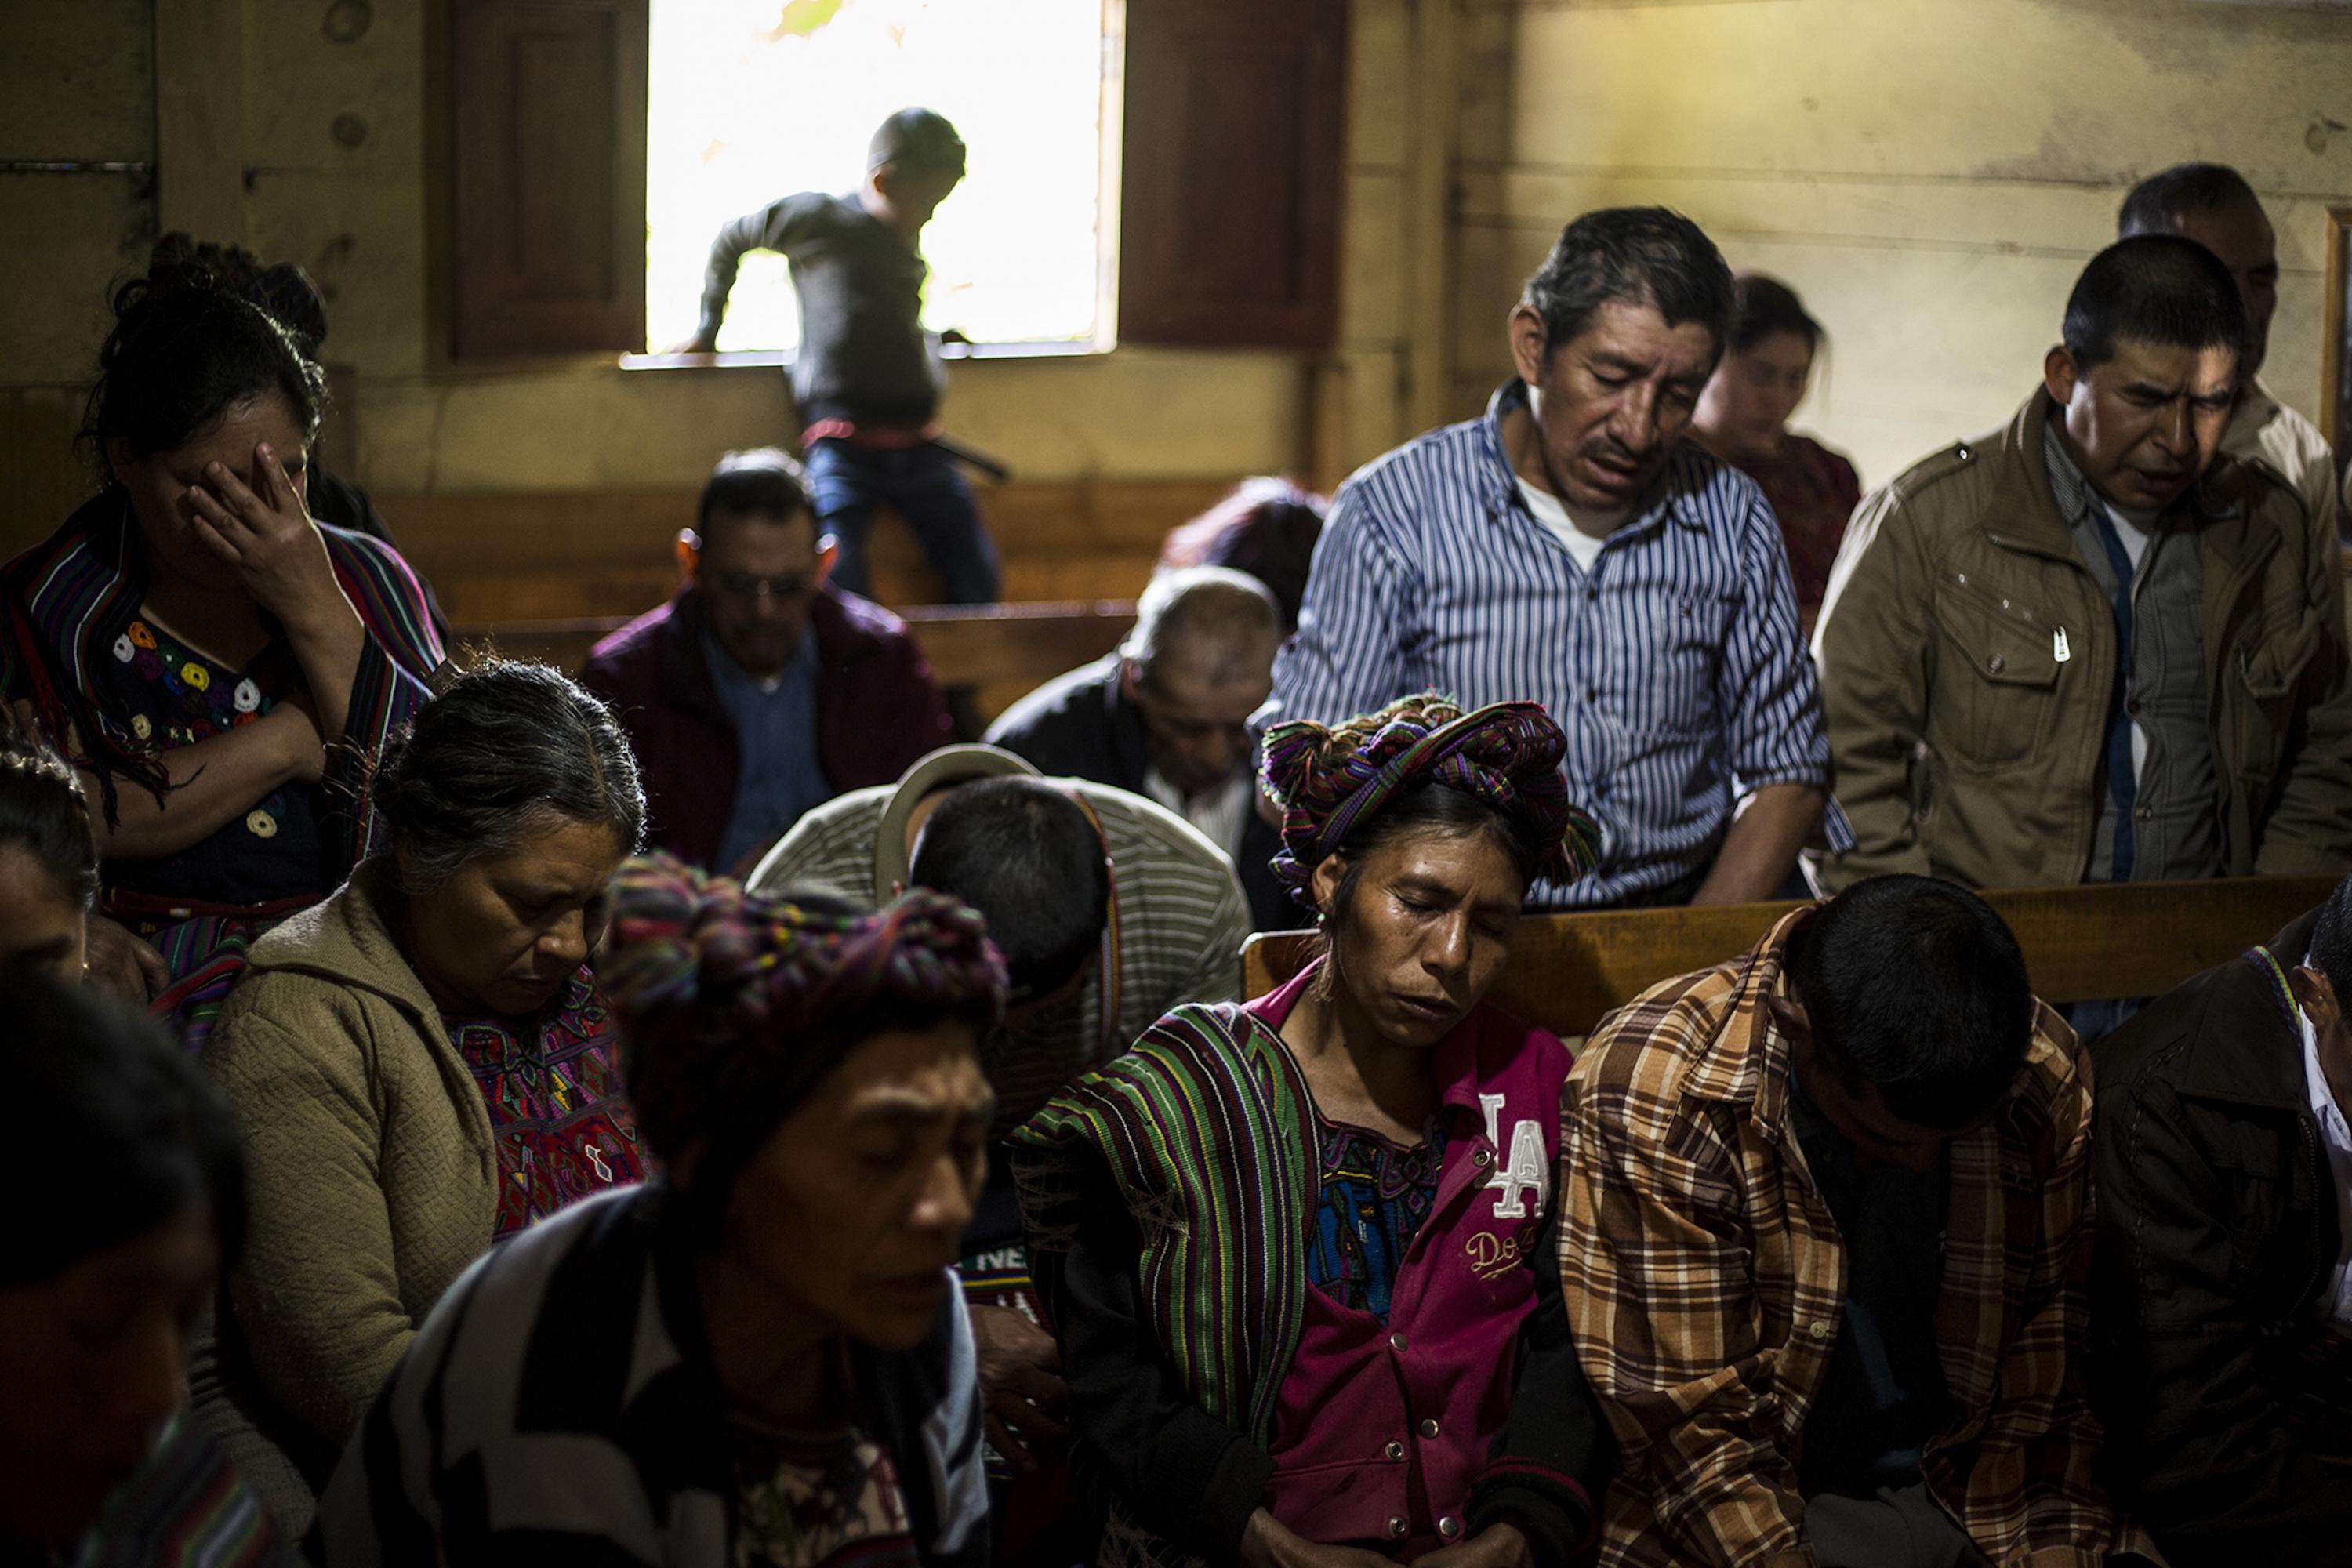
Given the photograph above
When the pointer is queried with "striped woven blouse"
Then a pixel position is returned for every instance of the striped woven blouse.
(1676, 667)
(559, 1406)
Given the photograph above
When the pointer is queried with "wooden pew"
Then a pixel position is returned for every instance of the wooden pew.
(505, 557)
(562, 643)
(2109, 940)
(1004, 651)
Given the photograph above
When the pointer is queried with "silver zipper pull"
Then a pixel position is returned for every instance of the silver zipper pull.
(2059, 647)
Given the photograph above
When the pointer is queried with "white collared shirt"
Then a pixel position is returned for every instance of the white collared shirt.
(1220, 814)
(2335, 1137)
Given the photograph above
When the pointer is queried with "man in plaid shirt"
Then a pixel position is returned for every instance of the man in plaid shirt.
(1825, 1227)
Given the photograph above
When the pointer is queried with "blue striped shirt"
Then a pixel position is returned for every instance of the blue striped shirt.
(1677, 667)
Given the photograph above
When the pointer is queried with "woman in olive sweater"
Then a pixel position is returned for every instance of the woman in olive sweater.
(423, 1064)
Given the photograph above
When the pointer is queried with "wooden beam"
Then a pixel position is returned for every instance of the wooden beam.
(199, 118)
(2082, 944)
(1430, 294)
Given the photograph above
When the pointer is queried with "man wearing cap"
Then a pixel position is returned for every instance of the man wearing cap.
(867, 378)
(1111, 910)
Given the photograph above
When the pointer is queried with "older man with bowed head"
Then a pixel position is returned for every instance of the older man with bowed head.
(1165, 715)
(2086, 647)
(761, 690)
(1825, 1220)
(1571, 549)
(2213, 204)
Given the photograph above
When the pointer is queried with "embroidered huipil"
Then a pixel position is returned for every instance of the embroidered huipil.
(557, 1117)
(104, 675)
(1176, 1197)
(1382, 1427)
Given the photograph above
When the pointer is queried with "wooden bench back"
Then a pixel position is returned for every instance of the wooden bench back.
(1007, 651)
(1004, 650)
(2137, 939)
(506, 557)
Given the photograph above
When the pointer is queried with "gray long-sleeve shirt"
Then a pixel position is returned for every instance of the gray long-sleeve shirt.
(863, 355)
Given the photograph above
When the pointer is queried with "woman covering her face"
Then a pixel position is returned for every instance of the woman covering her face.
(423, 1064)
(107, 1267)
(759, 1357)
(219, 665)
(1297, 1253)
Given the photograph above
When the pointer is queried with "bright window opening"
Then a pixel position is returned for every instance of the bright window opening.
(753, 100)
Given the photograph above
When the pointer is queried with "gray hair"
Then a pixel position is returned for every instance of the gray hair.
(1208, 615)
(508, 748)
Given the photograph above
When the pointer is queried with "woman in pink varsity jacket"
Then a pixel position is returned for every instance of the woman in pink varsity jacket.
(1297, 1253)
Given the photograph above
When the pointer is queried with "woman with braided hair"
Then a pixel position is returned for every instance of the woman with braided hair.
(758, 1358)
(219, 667)
(1297, 1253)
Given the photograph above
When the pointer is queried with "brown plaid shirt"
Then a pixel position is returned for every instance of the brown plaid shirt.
(1707, 1281)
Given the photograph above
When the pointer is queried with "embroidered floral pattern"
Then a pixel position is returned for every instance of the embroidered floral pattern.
(828, 1501)
(561, 1128)
(1375, 1197)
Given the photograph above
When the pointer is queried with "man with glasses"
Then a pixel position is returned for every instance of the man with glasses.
(761, 690)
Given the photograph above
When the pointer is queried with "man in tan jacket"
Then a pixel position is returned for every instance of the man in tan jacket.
(2083, 648)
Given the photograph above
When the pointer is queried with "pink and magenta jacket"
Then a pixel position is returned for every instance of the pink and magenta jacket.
(1170, 1197)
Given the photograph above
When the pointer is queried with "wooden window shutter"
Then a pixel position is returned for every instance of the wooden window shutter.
(1232, 165)
(549, 147)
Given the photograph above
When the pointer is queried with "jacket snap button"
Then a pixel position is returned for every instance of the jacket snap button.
(1396, 1342)
(1395, 1451)
(1449, 1527)
(1995, 663)
(1482, 1159)
(1428, 1426)
(1396, 1528)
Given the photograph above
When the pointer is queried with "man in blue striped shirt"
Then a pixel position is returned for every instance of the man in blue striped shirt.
(1569, 548)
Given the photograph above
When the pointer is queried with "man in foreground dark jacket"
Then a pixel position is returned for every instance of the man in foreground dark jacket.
(1166, 716)
(2223, 1328)
(761, 690)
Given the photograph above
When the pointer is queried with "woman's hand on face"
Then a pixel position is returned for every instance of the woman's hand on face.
(1497, 1546)
(1266, 1542)
(121, 965)
(269, 538)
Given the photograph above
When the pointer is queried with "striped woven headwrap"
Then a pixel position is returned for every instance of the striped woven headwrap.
(734, 1006)
(1507, 755)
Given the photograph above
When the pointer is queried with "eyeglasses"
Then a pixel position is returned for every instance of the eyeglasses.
(744, 587)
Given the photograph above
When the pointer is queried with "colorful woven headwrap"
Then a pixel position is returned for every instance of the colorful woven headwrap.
(732, 1005)
(1507, 755)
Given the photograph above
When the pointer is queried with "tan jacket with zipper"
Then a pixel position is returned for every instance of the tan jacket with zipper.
(1967, 656)
(372, 1176)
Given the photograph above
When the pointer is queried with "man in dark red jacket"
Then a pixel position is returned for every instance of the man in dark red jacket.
(761, 689)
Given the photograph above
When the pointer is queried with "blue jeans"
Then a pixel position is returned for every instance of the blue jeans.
(921, 484)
